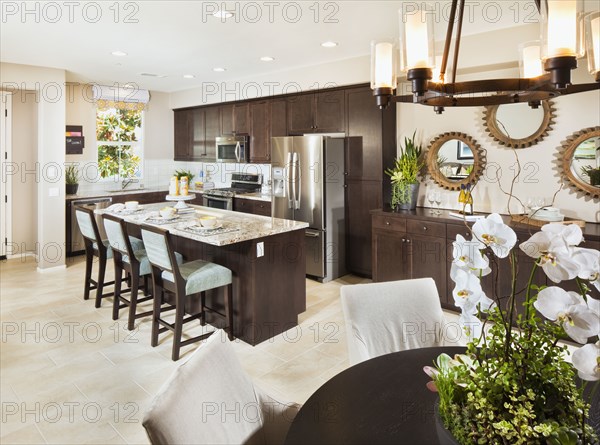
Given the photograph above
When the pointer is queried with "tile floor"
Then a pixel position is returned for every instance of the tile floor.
(70, 374)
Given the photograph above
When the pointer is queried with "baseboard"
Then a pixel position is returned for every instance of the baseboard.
(52, 269)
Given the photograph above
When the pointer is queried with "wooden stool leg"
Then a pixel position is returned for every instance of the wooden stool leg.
(101, 273)
(202, 306)
(117, 297)
(179, 313)
(229, 310)
(133, 299)
(156, 304)
(146, 286)
(89, 259)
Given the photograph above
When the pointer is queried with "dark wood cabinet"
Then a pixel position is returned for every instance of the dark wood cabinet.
(227, 127)
(241, 118)
(320, 112)
(252, 206)
(367, 188)
(195, 133)
(260, 138)
(403, 249)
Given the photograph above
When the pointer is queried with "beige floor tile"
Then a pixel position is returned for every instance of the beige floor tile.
(26, 434)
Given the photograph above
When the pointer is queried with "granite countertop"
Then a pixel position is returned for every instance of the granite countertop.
(235, 226)
(266, 197)
(105, 193)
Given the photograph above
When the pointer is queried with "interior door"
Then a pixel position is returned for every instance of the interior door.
(308, 181)
(5, 109)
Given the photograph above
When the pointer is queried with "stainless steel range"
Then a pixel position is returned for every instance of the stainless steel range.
(222, 198)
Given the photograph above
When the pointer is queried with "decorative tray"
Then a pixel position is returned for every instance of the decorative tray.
(525, 219)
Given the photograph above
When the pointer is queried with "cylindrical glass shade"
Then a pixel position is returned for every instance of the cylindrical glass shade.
(562, 28)
(416, 38)
(384, 63)
(592, 30)
(530, 60)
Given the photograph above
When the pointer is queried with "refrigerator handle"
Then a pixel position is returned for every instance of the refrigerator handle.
(297, 183)
(288, 167)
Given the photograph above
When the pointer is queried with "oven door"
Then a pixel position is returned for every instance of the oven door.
(217, 202)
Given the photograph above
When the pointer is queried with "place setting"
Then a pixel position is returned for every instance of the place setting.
(208, 225)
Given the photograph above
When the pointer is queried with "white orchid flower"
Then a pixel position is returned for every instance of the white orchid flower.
(553, 253)
(587, 362)
(467, 256)
(571, 234)
(492, 232)
(588, 261)
(467, 292)
(570, 310)
(471, 325)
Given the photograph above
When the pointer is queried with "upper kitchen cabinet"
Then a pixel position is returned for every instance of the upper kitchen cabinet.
(267, 120)
(235, 119)
(320, 112)
(195, 133)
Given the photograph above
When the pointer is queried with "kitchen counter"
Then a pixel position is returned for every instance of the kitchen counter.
(236, 226)
(265, 197)
(105, 193)
(267, 257)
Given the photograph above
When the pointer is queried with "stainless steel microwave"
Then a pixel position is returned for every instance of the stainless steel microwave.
(232, 149)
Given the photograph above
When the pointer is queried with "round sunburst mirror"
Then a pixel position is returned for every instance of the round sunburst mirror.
(518, 125)
(455, 159)
(579, 161)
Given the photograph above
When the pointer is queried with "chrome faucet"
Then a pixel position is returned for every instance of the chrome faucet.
(127, 181)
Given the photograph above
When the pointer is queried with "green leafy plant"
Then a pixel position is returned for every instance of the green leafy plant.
(72, 174)
(113, 127)
(514, 386)
(405, 171)
(182, 173)
(593, 173)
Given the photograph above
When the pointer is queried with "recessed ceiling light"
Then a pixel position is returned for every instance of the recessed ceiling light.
(267, 59)
(219, 70)
(329, 44)
(119, 53)
(188, 76)
(223, 14)
(152, 75)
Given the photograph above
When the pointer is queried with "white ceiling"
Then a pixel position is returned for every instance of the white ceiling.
(173, 38)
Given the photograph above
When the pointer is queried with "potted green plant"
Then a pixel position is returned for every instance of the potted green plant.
(593, 173)
(404, 175)
(514, 385)
(71, 179)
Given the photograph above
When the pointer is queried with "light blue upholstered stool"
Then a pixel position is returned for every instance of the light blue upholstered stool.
(194, 277)
(96, 246)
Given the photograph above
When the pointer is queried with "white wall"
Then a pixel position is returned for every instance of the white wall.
(539, 177)
(49, 84)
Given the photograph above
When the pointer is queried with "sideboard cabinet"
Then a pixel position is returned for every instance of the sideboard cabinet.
(416, 244)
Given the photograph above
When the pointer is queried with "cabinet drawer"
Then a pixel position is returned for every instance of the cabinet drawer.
(426, 228)
(262, 208)
(458, 229)
(389, 223)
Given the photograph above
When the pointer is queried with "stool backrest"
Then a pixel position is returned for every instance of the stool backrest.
(116, 231)
(87, 224)
(159, 249)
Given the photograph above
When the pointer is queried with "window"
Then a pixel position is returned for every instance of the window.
(120, 144)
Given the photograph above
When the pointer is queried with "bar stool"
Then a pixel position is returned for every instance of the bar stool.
(193, 277)
(132, 260)
(95, 246)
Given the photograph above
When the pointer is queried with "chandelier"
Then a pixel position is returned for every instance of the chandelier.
(545, 65)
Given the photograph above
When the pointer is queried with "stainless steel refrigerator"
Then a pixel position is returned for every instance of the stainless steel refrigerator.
(308, 185)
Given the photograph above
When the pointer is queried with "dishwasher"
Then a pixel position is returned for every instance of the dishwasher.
(75, 244)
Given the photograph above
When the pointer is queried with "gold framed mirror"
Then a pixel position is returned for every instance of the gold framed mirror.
(455, 159)
(518, 125)
(579, 161)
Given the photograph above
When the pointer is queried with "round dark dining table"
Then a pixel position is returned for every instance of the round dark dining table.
(382, 400)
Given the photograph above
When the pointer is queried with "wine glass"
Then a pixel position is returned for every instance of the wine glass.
(438, 201)
(431, 199)
(530, 204)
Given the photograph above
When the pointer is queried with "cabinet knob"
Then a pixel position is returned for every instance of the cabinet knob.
(403, 240)
(387, 223)
(408, 241)
(425, 228)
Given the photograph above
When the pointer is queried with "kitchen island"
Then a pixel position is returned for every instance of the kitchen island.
(266, 256)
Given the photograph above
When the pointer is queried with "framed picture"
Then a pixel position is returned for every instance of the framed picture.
(463, 151)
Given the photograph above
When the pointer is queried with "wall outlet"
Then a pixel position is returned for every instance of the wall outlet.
(260, 249)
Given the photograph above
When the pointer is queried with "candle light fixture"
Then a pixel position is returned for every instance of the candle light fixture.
(545, 66)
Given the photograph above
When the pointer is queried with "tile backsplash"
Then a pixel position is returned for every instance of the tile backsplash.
(157, 173)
